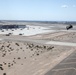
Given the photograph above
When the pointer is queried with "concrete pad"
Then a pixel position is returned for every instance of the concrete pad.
(65, 67)
(68, 61)
(62, 72)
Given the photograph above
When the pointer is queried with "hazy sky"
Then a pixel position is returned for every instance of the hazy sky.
(50, 10)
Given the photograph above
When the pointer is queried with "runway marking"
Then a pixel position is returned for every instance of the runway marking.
(71, 58)
(61, 43)
(69, 63)
(63, 69)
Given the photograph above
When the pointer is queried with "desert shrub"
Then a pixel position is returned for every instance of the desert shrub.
(9, 65)
(4, 63)
(49, 48)
(31, 49)
(44, 47)
(19, 58)
(3, 55)
(37, 53)
(17, 44)
(8, 45)
(1, 65)
(20, 47)
(24, 57)
(4, 73)
(1, 68)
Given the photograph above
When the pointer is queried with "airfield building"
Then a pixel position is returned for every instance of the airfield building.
(12, 26)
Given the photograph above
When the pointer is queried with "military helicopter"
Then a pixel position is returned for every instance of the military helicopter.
(69, 27)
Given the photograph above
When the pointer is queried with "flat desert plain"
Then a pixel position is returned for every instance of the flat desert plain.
(33, 57)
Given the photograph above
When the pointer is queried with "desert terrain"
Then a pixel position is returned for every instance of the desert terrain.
(63, 36)
(24, 58)
(30, 55)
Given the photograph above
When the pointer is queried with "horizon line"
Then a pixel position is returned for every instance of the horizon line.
(40, 20)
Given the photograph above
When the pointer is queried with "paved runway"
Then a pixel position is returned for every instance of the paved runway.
(65, 67)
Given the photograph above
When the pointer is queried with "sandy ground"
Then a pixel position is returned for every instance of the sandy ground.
(23, 58)
(28, 58)
(63, 36)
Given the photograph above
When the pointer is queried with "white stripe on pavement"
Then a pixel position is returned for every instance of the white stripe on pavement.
(0, 39)
(61, 43)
